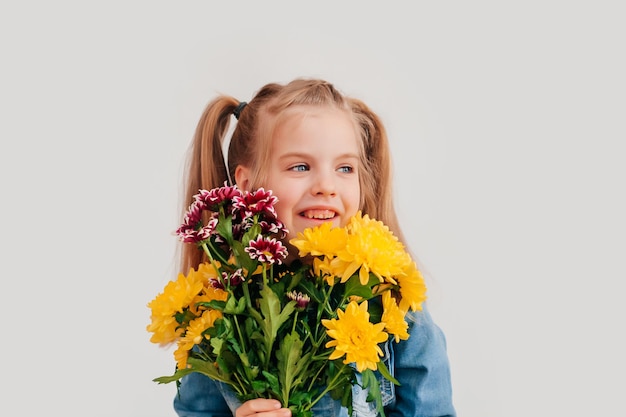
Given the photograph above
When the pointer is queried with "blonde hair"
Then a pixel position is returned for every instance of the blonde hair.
(249, 146)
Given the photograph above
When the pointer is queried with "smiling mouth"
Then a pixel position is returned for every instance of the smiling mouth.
(319, 214)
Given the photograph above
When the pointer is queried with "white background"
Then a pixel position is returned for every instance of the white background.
(507, 121)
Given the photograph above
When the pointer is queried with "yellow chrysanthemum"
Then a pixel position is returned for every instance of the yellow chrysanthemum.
(322, 267)
(181, 355)
(208, 294)
(176, 297)
(207, 271)
(412, 288)
(393, 317)
(194, 335)
(320, 240)
(356, 337)
(164, 329)
(372, 247)
(177, 294)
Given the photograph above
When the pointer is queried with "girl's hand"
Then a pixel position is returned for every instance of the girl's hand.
(262, 407)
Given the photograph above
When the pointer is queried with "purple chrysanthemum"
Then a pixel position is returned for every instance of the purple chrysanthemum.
(238, 229)
(207, 230)
(267, 250)
(233, 279)
(259, 201)
(302, 300)
(192, 231)
(187, 230)
(274, 226)
(217, 196)
(216, 283)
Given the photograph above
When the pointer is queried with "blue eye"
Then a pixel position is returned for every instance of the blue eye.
(346, 169)
(299, 168)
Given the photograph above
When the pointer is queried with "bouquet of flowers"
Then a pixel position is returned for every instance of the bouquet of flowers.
(250, 320)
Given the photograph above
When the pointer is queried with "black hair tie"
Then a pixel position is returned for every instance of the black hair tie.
(238, 109)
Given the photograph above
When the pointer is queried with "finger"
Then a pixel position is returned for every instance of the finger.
(267, 407)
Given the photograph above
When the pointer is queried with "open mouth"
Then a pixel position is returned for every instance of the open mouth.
(319, 214)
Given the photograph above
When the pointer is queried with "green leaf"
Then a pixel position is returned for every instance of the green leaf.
(251, 234)
(234, 306)
(227, 361)
(214, 304)
(259, 387)
(270, 319)
(225, 228)
(240, 254)
(354, 287)
(272, 316)
(274, 386)
(382, 368)
(175, 377)
(370, 382)
(289, 357)
(303, 398)
(208, 369)
(243, 259)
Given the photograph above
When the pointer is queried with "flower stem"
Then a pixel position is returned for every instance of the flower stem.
(321, 368)
(210, 250)
(242, 339)
(295, 319)
(246, 293)
(327, 306)
(328, 388)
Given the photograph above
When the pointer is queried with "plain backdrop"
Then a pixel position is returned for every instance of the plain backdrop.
(507, 123)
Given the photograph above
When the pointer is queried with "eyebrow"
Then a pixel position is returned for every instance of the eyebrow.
(306, 155)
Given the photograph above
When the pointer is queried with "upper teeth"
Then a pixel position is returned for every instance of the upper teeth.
(319, 214)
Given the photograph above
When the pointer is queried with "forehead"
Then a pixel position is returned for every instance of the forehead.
(315, 124)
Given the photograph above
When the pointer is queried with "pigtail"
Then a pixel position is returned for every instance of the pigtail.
(206, 167)
(376, 181)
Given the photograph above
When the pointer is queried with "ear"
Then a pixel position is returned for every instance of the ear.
(242, 177)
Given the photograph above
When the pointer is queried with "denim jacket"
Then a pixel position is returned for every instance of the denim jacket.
(419, 363)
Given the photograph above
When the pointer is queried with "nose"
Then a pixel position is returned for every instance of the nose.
(324, 184)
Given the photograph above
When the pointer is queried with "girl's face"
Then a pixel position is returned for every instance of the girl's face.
(314, 168)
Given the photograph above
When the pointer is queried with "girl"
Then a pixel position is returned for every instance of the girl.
(325, 156)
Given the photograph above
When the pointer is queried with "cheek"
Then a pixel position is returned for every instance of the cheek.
(280, 210)
(283, 207)
(284, 191)
(355, 199)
